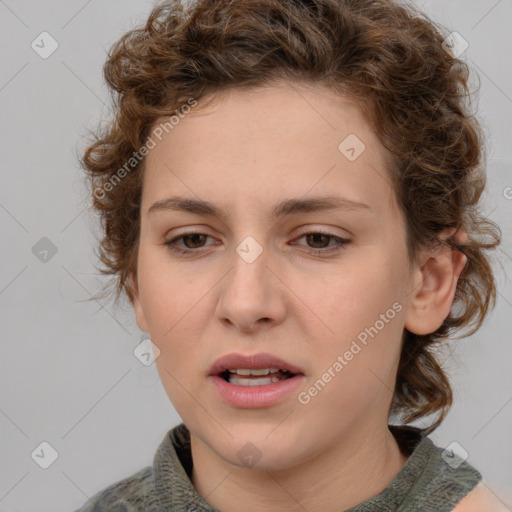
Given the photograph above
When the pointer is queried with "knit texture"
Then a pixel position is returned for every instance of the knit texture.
(426, 483)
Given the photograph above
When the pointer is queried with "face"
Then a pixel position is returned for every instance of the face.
(326, 290)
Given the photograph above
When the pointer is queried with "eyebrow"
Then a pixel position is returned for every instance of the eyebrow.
(282, 209)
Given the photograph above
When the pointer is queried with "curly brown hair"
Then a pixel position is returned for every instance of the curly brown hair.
(387, 56)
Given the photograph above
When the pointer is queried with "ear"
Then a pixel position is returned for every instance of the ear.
(436, 275)
(132, 283)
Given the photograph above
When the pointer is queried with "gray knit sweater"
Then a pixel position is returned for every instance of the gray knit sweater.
(427, 482)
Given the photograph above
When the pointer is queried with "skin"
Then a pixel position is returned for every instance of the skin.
(245, 152)
(481, 499)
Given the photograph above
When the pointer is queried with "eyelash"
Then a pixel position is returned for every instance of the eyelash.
(341, 243)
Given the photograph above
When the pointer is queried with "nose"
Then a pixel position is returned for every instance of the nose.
(252, 295)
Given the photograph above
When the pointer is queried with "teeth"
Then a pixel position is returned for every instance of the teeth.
(262, 381)
(247, 371)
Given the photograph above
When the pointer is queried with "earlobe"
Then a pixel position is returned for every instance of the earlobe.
(432, 299)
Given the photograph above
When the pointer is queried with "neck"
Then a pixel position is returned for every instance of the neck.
(359, 466)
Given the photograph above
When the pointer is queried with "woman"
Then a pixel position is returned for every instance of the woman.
(289, 193)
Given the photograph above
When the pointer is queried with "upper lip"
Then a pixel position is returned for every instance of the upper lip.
(253, 361)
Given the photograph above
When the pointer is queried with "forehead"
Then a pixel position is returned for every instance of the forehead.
(267, 143)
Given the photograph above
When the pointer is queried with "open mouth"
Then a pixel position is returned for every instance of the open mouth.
(254, 381)
(255, 377)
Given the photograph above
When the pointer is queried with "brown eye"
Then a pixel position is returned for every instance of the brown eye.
(319, 242)
(318, 238)
(196, 240)
(191, 241)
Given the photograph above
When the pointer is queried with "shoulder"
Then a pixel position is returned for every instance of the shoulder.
(481, 499)
(130, 494)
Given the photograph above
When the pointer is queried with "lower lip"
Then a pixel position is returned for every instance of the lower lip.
(254, 397)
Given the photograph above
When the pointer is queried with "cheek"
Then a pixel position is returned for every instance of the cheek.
(352, 300)
(362, 320)
(169, 297)
(174, 309)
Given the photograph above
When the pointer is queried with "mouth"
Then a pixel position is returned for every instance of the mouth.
(255, 377)
(253, 370)
(254, 381)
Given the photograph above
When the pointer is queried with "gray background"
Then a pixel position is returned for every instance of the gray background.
(68, 373)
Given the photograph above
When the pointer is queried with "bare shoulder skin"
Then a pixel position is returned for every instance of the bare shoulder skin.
(481, 499)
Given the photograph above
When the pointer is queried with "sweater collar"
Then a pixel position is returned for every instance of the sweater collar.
(172, 469)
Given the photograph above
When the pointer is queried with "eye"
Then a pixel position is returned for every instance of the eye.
(197, 239)
(194, 241)
(320, 237)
